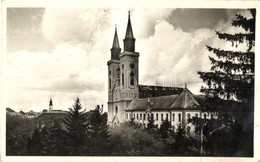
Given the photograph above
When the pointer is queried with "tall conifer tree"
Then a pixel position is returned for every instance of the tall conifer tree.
(98, 131)
(76, 124)
(232, 73)
(230, 83)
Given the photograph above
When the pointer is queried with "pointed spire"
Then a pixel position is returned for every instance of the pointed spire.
(115, 50)
(50, 104)
(129, 41)
(129, 31)
(115, 42)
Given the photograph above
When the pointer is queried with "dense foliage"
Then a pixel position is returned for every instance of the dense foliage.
(18, 130)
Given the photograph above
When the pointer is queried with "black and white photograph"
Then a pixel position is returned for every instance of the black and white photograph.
(129, 81)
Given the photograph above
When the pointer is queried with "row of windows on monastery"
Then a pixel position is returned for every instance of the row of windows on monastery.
(142, 116)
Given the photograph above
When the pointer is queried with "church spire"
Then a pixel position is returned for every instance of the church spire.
(129, 41)
(115, 42)
(115, 50)
(129, 31)
(50, 105)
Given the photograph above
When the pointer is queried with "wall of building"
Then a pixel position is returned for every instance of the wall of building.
(173, 116)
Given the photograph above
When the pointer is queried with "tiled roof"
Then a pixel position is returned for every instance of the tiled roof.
(183, 100)
(155, 103)
(51, 115)
(155, 91)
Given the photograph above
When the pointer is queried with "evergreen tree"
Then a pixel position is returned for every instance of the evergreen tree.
(165, 129)
(53, 140)
(75, 124)
(230, 83)
(150, 124)
(35, 145)
(98, 131)
(232, 72)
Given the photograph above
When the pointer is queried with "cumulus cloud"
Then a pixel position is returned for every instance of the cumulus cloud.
(178, 55)
(82, 39)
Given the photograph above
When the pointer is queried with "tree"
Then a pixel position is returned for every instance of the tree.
(232, 72)
(151, 128)
(132, 141)
(230, 83)
(18, 131)
(165, 129)
(35, 145)
(76, 123)
(98, 131)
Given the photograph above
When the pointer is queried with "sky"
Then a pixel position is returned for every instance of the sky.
(62, 53)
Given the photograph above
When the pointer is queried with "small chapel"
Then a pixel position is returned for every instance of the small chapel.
(127, 99)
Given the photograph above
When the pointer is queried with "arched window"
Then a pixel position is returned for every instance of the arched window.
(148, 116)
(110, 83)
(126, 116)
(196, 115)
(162, 117)
(173, 117)
(211, 116)
(141, 116)
(117, 77)
(179, 115)
(152, 115)
(116, 109)
(134, 116)
(132, 79)
(167, 116)
(156, 117)
(110, 79)
(205, 116)
(137, 116)
(144, 116)
(123, 79)
(123, 76)
(132, 66)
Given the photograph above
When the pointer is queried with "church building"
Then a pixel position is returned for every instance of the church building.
(128, 99)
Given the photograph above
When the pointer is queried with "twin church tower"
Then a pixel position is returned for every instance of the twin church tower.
(122, 76)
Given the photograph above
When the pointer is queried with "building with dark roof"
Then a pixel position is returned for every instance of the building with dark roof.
(128, 99)
(49, 118)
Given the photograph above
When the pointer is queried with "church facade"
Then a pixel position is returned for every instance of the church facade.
(128, 99)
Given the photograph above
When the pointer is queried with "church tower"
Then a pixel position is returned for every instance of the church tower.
(129, 64)
(50, 105)
(122, 76)
(113, 78)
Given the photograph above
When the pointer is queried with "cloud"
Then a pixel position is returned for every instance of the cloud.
(173, 56)
(62, 25)
(66, 69)
(82, 38)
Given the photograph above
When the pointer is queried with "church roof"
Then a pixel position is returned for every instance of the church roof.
(129, 31)
(155, 103)
(185, 101)
(178, 101)
(156, 91)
